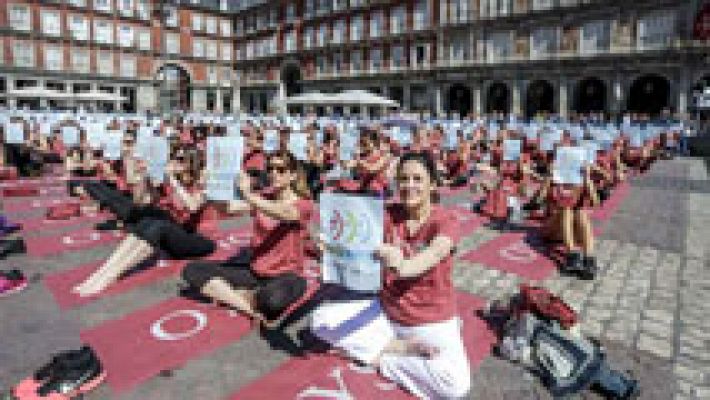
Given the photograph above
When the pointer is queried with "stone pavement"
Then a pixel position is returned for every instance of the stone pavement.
(650, 306)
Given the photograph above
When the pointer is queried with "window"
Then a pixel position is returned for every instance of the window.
(542, 4)
(172, 43)
(196, 20)
(125, 36)
(543, 42)
(308, 37)
(144, 40)
(499, 46)
(321, 65)
(211, 74)
(322, 35)
(53, 57)
(171, 16)
(211, 50)
(356, 27)
(23, 53)
(102, 5)
(338, 62)
(20, 18)
(308, 8)
(458, 11)
(376, 23)
(143, 7)
(421, 12)
(225, 28)
(458, 48)
(211, 25)
(595, 36)
(239, 27)
(398, 59)
(103, 31)
(339, 5)
(198, 48)
(398, 20)
(656, 29)
(375, 59)
(290, 41)
(226, 51)
(51, 23)
(324, 7)
(80, 60)
(77, 3)
(290, 12)
(356, 60)
(125, 7)
(104, 63)
(128, 66)
(339, 31)
(79, 27)
(419, 55)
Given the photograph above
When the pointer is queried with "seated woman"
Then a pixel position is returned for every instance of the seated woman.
(410, 332)
(265, 286)
(185, 235)
(371, 164)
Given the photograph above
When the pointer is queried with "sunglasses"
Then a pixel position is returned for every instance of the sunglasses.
(278, 168)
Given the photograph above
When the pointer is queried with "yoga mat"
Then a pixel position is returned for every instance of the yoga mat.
(42, 223)
(41, 246)
(161, 337)
(60, 283)
(511, 253)
(609, 207)
(467, 221)
(321, 376)
(21, 205)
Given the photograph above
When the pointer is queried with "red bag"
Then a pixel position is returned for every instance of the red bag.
(63, 211)
(24, 191)
(8, 173)
(546, 305)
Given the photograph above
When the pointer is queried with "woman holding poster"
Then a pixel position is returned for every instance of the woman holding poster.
(410, 332)
(271, 281)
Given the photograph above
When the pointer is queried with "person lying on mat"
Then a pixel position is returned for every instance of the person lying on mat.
(410, 332)
(185, 234)
(264, 287)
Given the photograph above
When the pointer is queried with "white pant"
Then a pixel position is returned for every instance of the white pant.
(362, 330)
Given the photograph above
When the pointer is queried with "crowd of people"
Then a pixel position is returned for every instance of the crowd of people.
(513, 170)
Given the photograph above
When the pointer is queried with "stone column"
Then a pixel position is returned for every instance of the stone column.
(617, 97)
(477, 101)
(199, 99)
(236, 99)
(9, 86)
(683, 93)
(563, 100)
(218, 105)
(281, 99)
(43, 101)
(146, 98)
(71, 102)
(438, 104)
(407, 97)
(117, 103)
(517, 106)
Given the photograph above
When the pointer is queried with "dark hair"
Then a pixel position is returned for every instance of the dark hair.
(424, 159)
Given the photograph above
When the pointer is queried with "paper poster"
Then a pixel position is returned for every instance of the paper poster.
(493, 129)
(531, 131)
(271, 141)
(635, 138)
(45, 129)
(451, 140)
(511, 149)
(112, 143)
(298, 145)
(70, 135)
(14, 133)
(224, 161)
(157, 158)
(591, 148)
(352, 227)
(94, 135)
(234, 129)
(348, 146)
(576, 132)
(568, 165)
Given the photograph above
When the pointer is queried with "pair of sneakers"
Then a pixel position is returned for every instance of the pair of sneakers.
(69, 374)
(583, 266)
(11, 282)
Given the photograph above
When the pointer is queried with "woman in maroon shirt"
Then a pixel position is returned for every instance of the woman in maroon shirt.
(410, 332)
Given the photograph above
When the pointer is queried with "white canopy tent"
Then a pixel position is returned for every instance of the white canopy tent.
(346, 99)
(35, 92)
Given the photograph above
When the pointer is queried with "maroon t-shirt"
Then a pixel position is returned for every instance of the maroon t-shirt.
(429, 297)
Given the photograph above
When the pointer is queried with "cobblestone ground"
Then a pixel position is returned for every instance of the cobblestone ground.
(650, 306)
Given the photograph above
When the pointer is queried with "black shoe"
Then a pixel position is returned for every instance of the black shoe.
(108, 225)
(65, 360)
(69, 379)
(589, 270)
(12, 246)
(574, 263)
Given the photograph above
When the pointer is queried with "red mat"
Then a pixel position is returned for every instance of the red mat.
(41, 246)
(61, 283)
(161, 337)
(20, 205)
(510, 253)
(320, 376)
(468, 221)
(32, 224)
(612, 203)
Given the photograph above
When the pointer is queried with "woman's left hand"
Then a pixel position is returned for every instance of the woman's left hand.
(391, 256)
(244, 183)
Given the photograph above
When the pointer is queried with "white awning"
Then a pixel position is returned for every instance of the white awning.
(350, 97)
(43, 93)
(99, 96)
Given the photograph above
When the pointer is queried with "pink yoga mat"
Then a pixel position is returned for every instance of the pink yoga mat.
(32, 224)
(320, 376)
(510, 253)
(20, 205)
(612, 203)
(161, 337)
(60, 284)
(41, 246)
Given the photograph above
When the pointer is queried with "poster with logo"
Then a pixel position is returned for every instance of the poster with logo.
(224, 161)
(298, 146)
(591, 148)
(70, 136)
(143, 140)
(112, 143)
(14, 133)
(352, 228)
(511, 149)
(271, 141)
(348, 146)
(568, 165)
(95, 131)
(157, 158)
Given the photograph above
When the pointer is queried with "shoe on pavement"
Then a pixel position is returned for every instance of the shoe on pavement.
(11, 282)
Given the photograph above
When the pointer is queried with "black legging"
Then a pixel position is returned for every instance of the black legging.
(27, 161)
(273, 294)
(173, 238)
(120, 204)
